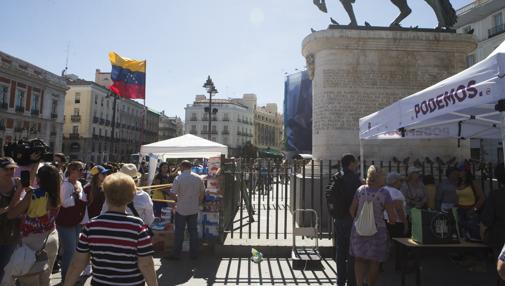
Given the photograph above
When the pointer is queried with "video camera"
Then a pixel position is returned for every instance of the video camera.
(26, 152)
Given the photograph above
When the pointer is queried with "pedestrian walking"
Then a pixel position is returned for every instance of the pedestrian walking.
(38, 209)
(142, 204)
(117, 244)
(9, 227)
(190, 191)
(369, 235)
(72, 213)
(340, 194)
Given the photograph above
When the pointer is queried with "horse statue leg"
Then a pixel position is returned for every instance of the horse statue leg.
(321, 4)
(446, 15)
(404, 12)
(350, 11)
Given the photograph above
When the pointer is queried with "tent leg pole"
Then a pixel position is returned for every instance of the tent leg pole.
(502, 115)
(361, 159)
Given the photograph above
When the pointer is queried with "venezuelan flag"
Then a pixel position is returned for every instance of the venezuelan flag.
(129, 77)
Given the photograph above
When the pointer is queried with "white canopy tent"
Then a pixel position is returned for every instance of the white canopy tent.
(185, 146)
(467, 105)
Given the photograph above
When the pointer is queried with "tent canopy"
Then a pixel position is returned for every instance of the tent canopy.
(186, 146)
(461, 106)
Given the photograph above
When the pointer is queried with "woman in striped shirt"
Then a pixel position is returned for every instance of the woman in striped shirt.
(117, 244)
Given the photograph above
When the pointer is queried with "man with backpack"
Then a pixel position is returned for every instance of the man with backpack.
(339, 195)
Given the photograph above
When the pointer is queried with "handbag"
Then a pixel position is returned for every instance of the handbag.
(365, 224)
(41, 262)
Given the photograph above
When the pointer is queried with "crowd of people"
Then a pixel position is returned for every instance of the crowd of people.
(85, 219)
(369, 213)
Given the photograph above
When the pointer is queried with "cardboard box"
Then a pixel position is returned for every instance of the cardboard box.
(163, 241)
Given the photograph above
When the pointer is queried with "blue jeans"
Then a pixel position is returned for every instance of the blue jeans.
(180, 227)
(345, 262)
(68, 236)
(6, 250)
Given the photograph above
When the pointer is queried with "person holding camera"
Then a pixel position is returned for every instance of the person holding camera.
(38, 208)
(9, 228)
(72, 213)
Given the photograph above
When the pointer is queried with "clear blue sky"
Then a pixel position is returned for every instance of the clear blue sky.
(245, 45)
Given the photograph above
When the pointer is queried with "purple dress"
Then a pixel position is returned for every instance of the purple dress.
(373, 247)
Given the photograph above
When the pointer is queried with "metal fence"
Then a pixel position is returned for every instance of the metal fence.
(261, 195)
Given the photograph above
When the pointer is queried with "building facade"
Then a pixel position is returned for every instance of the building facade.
(93, 132)
(232, 123)
(31, 103)
(485, 19)
(268, 125)
(170, 127)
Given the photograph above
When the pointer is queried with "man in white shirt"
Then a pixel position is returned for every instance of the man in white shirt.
(190, 191)
(142, 203)
(393, 183)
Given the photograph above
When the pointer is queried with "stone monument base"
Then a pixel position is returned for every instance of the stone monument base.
(357, 72)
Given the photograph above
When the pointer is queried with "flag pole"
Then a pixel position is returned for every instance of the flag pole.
(144, 111)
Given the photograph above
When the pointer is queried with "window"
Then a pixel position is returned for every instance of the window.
(497, 19)
(20, 98)
(470, 60)
(226, 128)
(76, 111)
(54, 106)
(35, 102)
(77, 97)
(94, 131)
(4, 95)
(75, 129)
(96, 99)
(102, 101)
(99, 131)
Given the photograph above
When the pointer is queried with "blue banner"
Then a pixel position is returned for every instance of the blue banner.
(298, 113)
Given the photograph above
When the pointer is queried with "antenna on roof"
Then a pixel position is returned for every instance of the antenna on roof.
(66, 60)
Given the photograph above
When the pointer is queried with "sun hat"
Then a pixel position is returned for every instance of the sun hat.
(131, 170)
(99, 170)
(393, 177)
(7, 162)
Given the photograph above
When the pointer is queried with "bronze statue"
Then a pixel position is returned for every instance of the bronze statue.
(446, 15)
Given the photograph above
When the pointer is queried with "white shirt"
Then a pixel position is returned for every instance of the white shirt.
(67, 201)
(396, 195)
(143, 205)
(188, 186)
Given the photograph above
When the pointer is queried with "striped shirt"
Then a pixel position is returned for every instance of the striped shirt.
(114, 241)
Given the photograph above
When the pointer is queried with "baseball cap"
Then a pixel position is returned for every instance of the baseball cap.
(7, 162)
(99, 170)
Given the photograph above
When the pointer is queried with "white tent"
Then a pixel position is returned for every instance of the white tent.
(186, 146)
(461, 106)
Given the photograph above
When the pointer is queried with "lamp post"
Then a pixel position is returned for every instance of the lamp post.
(211, 90)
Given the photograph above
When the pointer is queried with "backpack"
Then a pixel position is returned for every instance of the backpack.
(334, 195)
(365, 223)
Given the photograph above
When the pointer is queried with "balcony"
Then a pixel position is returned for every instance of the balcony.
(496, 30)
(73, 135)
(239, 133)
(226, 119)
(4, 105)
(75, 118)
(107, 122)
(54, 115)
(53, 133)
(194, 132)
(95, 119)
(102, 121)
(213, 132)
(95, 136)
(20, 109)
(35, 112)
(193, 119)
(225, 132)
(2, 127)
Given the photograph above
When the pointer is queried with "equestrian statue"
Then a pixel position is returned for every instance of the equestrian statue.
(446, 15)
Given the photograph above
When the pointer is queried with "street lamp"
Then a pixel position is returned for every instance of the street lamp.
(211, 90)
